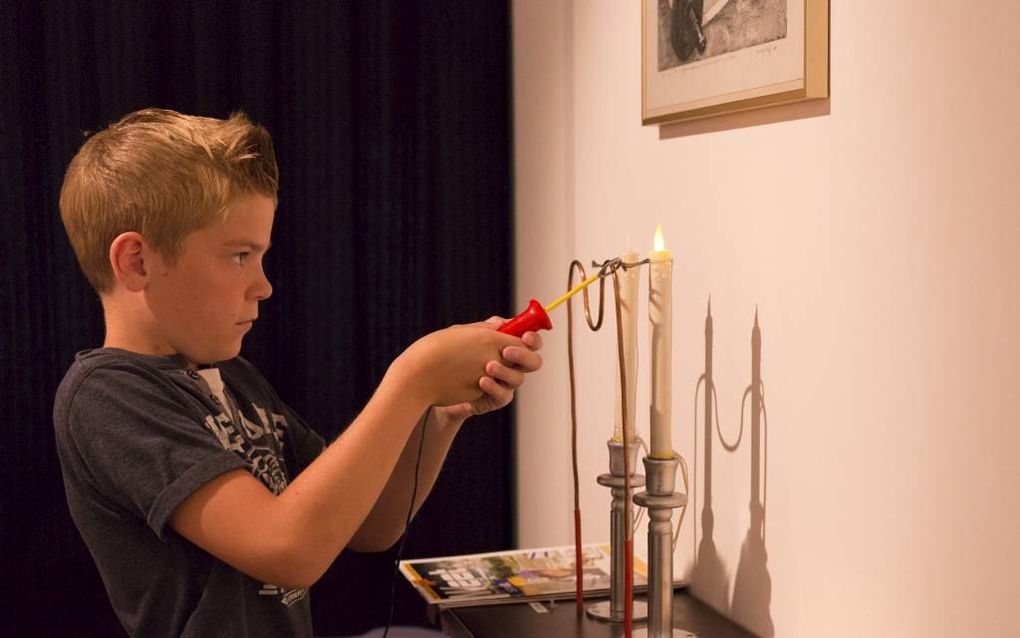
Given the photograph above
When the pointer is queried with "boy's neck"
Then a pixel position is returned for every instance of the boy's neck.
(133, 329)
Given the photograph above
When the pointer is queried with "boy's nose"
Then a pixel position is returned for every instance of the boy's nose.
(261, 288)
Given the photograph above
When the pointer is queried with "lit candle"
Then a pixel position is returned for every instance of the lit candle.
(660, 314)
(629, 284)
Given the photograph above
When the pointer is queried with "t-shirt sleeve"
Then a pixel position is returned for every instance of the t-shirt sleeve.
(142, 443)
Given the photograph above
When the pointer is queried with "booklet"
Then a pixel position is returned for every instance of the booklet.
(514, 575)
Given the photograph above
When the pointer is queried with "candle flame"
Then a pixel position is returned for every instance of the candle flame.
(659, 242)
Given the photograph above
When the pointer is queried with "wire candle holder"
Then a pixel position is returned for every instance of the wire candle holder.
(660, 497)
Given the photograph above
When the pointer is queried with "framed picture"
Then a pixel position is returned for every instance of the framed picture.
(707, 57)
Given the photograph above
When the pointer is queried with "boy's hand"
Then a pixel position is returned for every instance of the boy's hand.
(443, 368)
(503, 377)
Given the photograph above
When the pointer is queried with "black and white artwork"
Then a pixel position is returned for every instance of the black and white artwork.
(701, 58)
(693, 30)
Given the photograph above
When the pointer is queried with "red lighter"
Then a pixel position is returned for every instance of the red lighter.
(533, 319)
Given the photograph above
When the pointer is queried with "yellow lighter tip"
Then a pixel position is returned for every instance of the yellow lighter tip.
(570, 293)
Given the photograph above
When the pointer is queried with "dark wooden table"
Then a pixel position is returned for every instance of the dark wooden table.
(520, 620)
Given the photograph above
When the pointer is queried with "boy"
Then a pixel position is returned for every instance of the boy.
(207, 504)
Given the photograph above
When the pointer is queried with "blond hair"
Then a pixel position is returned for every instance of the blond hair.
(164, 175)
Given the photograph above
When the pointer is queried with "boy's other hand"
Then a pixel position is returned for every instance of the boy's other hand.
(503, 377)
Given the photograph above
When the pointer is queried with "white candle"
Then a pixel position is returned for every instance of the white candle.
(660, 314)
(629, 284)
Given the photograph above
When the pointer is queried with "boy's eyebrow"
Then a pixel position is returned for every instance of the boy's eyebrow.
(247, 243)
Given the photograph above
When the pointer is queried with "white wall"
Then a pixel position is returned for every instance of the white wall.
(878, 236)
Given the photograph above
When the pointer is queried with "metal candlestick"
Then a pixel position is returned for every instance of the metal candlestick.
(612, 610)
(660, 499)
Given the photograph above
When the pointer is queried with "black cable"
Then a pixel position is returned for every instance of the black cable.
(407, 523)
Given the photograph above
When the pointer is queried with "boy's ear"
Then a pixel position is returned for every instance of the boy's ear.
(127, 258)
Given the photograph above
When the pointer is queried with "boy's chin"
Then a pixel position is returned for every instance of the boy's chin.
(211, 356)
(229, 354)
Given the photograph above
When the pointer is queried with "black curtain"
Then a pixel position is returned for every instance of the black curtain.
(392, 128)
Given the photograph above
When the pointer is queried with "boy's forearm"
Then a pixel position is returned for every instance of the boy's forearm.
(385, 524)
(327, 502)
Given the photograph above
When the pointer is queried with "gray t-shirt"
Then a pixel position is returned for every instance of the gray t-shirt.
(137, 435)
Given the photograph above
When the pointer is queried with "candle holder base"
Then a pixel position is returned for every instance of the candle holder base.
(603, 611)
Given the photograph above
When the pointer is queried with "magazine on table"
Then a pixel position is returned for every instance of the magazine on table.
(514, 575)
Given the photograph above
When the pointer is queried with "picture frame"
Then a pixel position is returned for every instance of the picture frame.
(701, 58)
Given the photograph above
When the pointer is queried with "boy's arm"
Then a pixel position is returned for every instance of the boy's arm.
(292, 538)
(385, 524)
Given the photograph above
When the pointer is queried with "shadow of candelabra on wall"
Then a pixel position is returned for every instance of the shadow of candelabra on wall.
(752, 588)
(752, 585)
(708, 576)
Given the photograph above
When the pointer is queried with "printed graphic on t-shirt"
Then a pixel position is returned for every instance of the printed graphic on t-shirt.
(261, 445)
(287, 596)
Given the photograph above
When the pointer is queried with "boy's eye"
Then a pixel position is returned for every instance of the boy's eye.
(240, 258)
